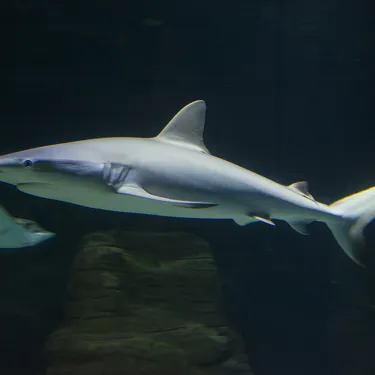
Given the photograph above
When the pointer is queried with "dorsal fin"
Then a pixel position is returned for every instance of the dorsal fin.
(186, 128)
(301, 187)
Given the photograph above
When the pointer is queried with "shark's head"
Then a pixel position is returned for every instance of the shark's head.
(46, 166)
(17, 170)
(33, 234)
(24, 166)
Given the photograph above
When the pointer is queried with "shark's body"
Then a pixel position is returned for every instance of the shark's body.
(174, 175)
(231, 192)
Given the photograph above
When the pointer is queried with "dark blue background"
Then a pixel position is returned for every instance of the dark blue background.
(288, 85)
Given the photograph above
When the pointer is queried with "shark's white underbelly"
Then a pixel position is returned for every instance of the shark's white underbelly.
(106, 199)
(100, 196)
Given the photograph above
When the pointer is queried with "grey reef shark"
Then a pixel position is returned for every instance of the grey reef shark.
(173, 174)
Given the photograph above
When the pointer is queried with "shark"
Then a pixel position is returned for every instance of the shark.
(173, 174)
(18, 233)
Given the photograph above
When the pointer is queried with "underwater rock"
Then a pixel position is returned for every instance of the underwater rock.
(144, 303)
(31, 299)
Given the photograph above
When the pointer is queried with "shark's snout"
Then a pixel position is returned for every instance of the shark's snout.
(47, 235)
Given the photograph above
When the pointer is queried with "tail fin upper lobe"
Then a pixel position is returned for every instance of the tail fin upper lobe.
(357, 210)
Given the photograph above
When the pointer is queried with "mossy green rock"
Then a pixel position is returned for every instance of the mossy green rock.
(144, 304)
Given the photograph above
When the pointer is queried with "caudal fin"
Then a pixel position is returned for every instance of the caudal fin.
(357, 210)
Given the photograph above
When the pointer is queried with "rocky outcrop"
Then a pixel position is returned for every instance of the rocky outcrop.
(144, 303)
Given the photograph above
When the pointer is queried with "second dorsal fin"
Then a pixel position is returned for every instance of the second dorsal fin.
(302, 188)
(186, 128)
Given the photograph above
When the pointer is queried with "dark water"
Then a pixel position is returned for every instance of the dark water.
(288, 86)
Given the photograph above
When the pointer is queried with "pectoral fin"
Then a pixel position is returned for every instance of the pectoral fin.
(138, 191)
(124, 180)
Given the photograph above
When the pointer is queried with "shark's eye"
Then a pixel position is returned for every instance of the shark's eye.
(27, 163)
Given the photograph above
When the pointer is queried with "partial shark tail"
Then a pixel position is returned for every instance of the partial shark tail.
(357, 210)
